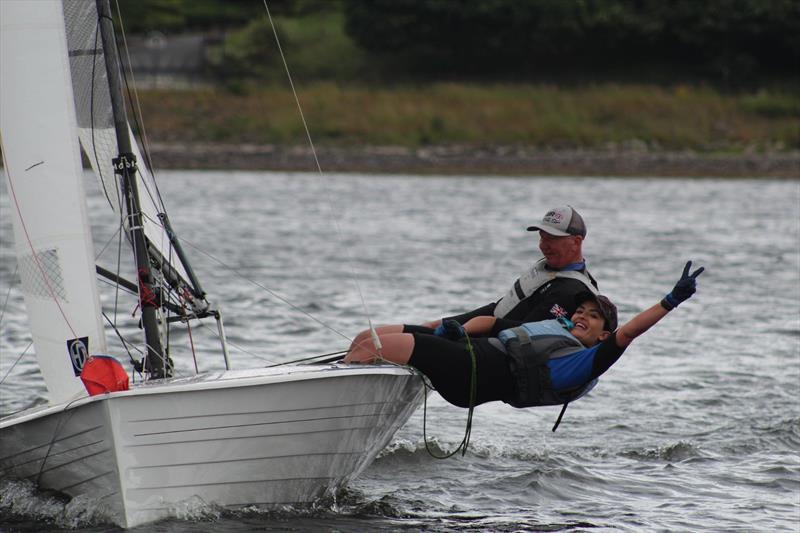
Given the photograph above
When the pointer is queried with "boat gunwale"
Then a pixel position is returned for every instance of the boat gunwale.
(215, 381)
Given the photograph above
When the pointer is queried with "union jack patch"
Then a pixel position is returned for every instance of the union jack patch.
(558, 311)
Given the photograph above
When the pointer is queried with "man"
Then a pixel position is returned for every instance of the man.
(546, 291)
(549, 288)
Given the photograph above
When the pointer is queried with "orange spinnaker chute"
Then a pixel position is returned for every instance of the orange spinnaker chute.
(103, 373)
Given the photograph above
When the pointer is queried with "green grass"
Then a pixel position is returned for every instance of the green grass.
(601, 116)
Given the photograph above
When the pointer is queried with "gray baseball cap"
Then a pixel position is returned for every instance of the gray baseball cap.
(561, 222)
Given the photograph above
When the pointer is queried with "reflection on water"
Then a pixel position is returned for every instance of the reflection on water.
(697, 427)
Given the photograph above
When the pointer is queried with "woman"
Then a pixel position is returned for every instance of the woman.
(536, 363)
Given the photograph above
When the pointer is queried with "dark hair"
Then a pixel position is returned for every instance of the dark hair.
(606, 306)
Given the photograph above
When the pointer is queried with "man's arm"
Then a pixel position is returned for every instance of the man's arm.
(486, 310)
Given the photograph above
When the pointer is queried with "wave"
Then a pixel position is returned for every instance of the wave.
(21, 501)
(766, 435)
(414, 452)
(26, 508)
(673, 453)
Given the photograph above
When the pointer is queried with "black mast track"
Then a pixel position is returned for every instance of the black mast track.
(156, 362)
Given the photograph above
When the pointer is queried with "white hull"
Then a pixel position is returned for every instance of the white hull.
(258, 437)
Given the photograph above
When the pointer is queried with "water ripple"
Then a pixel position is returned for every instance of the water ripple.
(697, 428)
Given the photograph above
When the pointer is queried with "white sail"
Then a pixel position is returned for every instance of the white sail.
(43, 167)
(96, 122)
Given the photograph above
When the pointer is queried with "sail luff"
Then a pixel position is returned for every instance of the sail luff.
(53, 242)
(125, 166)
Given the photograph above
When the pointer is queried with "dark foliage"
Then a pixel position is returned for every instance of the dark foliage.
(729, 41)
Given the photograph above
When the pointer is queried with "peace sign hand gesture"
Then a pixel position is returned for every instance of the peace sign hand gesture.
(684, 289)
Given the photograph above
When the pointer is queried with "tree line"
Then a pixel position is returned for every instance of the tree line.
(734, 43)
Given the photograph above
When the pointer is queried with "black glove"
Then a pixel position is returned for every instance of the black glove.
(684, 289)
(449, 329)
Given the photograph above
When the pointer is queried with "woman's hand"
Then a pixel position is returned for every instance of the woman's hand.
(684, 289)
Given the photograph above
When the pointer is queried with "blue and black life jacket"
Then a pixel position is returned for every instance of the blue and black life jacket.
(529, 347)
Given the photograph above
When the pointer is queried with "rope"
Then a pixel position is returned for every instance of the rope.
(137, 366)
(334, 356)
(473, 391)
(146, 295)
(353, 276)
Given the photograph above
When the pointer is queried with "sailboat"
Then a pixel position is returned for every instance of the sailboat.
(230, 438)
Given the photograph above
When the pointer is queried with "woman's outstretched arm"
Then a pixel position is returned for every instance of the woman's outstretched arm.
(682, 291)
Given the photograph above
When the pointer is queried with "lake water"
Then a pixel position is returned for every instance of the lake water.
(697, 428)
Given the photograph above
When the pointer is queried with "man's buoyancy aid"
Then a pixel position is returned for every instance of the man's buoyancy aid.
(529, 347)
(533, 280)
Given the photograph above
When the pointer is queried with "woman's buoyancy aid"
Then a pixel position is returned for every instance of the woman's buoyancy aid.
(535, 279)
(529, 347)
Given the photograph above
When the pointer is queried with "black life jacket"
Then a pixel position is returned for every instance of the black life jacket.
(533, 280)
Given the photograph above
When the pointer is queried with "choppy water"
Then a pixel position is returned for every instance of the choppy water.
(697, 428)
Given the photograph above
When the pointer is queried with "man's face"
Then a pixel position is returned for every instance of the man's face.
(560, 251)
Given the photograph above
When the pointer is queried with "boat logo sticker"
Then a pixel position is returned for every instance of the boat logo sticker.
(78, 353)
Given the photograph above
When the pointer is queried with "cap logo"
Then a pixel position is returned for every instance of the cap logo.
(553, 217)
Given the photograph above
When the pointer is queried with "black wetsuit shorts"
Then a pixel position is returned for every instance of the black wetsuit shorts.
(448, 365)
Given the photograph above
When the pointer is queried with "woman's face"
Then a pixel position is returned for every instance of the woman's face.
(589, 324)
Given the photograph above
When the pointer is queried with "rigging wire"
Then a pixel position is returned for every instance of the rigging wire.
(99, 168)
(144, 298)
(332, 355)
(137, 115)
(267, 289)
(354, 278)
(8, 293)
(125, 343)
(373, 333)
(114, 235)
(93, 130)
(157, 200)
(28, 347)
(229, 343)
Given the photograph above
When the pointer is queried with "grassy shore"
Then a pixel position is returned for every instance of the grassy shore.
(528, 122)
(596, 117)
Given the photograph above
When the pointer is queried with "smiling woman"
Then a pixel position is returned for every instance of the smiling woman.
(524, 364)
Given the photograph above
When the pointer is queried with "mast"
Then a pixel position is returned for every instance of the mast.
(125, 166)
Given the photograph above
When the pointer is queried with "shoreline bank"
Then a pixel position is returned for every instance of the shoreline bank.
(476, 161)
